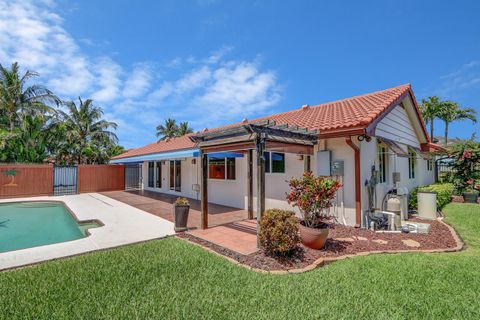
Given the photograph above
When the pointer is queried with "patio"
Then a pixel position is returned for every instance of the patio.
(161, 205)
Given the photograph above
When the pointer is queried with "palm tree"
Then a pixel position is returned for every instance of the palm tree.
(168, 130)
(17, 100)
(183, 129)
(88, 135)
(451, 111)
(431, 109)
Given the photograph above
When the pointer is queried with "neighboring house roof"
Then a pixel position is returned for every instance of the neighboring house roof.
(337, 118)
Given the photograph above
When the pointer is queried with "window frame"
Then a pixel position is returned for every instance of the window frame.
(412, 164)
(430, 164)
(269, 165)
(382, 161)
(225, 159)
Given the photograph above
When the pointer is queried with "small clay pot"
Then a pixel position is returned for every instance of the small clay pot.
(312, 237)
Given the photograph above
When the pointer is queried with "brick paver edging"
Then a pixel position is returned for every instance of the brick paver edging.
(320, 262)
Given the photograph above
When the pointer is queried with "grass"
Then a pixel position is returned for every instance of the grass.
(172, 279)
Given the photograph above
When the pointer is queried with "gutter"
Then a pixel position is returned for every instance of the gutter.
(358, 206)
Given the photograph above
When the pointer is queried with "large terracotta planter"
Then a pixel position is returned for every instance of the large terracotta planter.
(180, 216)
(313, 238)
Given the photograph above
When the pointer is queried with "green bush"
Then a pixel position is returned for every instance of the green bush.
(279, 231)
(444, 194)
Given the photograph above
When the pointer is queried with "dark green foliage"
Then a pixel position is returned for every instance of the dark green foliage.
(444, 193)
(279, 231)
(33, 128)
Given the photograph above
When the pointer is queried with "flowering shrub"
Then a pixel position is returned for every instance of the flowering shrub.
(279, 231)
(313, 196)
(466, 166)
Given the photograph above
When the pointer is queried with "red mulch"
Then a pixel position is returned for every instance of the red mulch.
(439, 237)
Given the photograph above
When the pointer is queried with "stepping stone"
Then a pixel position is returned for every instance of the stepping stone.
(360, 238)
(411, 243)
(379, 241)
(344, 239)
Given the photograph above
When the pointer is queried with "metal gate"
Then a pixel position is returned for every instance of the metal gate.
(64, 180)
(133, 176)
(444, 170)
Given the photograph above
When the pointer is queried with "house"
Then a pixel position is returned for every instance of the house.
(380, 132)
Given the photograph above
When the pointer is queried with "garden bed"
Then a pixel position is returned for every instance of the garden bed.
(344, 241)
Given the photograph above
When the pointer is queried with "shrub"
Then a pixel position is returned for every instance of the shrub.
(279, 231)
(444, 194)
(313, 196)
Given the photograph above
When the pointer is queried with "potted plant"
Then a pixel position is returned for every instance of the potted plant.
(313, 196)
(181, 208)
(470, 194)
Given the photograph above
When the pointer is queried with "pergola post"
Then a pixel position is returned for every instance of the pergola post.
(260, 148)
(204, 189)
(306, 163)
(250, 183)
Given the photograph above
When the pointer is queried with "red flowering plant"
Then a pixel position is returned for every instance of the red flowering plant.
(466, 166)
(313, 196)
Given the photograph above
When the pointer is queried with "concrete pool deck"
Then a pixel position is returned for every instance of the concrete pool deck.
(123, 224)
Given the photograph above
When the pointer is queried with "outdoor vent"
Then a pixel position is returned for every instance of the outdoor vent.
(305, 107)
(245, 120)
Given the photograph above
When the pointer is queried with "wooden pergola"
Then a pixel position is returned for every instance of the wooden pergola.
(245, 138)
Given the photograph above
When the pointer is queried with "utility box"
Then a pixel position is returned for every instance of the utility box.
(337, 168)
(427, 205)
(324, 163)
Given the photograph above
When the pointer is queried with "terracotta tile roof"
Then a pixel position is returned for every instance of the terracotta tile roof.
(354, 112)
(337, 116)
(172, 144)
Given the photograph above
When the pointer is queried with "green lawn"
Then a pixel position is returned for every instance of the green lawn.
(173, 279)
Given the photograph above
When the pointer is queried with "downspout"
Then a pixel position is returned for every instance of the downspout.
(358, 206)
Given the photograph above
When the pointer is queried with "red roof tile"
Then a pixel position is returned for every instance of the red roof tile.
(172, 144)
(351, 113)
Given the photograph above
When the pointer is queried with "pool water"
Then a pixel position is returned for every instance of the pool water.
(31, 224)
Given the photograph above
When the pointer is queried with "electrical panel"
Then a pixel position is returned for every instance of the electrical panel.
(337, 168)
(323, 163)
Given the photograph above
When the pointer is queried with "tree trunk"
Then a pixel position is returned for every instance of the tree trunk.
(431, 128)
(446, 133)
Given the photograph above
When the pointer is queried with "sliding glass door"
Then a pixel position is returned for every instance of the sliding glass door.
(158, 183)
(151, 174)
(175, 175)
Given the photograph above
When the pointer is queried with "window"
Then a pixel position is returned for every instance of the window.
(412, 162)
(151, 174)
(221, 168)
(274, 162)
(159, 175)
(176, 175)
(382, 164)
(429, 164)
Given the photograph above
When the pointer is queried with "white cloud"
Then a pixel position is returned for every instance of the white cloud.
(206, 91)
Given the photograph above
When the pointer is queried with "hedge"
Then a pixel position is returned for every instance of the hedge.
(444, 193)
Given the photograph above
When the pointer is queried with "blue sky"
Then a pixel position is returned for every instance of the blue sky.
(216, 62)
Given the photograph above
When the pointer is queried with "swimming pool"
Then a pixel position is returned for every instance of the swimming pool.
(37, 223)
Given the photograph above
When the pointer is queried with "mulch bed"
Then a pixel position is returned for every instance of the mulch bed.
(439, 237)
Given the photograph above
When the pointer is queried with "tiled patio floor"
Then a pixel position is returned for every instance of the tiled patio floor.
(238, 236)
(161, 205)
